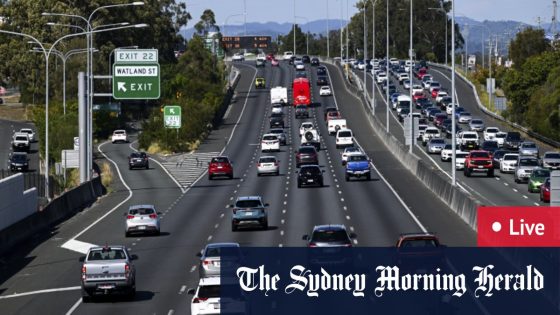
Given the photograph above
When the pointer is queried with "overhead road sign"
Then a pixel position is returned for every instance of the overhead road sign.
(133, 81)
(136, 56)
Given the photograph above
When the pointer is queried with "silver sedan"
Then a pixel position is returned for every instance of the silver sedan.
(142, 219)
(528, 148)
(435, 145)
(476, 124)
(268, 165)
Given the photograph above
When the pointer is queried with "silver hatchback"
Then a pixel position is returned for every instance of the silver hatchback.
(142, 219)
(210, 263)
(268, 165)
(528, 148)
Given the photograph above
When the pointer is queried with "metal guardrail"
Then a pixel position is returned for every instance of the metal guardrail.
(527, 131)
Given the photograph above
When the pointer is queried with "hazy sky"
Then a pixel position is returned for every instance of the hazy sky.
(283, 11)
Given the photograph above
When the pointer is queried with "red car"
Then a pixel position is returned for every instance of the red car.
(479, 161)
(545, 191)
(417, 96)
(270, 57)
(434, 93)
(274, 63)
(220, 166)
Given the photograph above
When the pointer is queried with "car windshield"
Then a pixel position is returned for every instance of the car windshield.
(528, 162)
(19, 158)
(276, 131)
(119, 132)
(250, 203)
(461, 155)
(306, 126)
(541, 173)
(438, 141)
(267, 160)
(552, 155)
(510, 157)
(514, 136)
(476, 122)
(136, 155)
(490, 144)
(330, 236)
(351, 149)
(219, 160)
(21, 138)
(270, 138)
(419, 243)
(357, 158)
(345, 134)
(141, 211)
(491, 130)
(529, 146)
(480, 155)
(465, 114)
(434, 131)
(307, 150)
(470, 136)
(310, 170)
(500, 135)
(106, 254)
(209, 291)
(215, 251)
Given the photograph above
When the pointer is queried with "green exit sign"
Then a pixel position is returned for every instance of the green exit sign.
(136, 81)
(172, 116)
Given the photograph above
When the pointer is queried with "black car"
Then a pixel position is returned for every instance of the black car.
(138, 160)
(310, 175)
(314, 61)
(423, 102)
(276, 121)
(18, 161)
(444, 102)
(302, 112)
(322, 81)
(332, 235)
(448, 130)
(512, 140)
(321, 71)
(403, 114)
(498, 154)
(306, 155)
(305, 59)
(291, 61)
(490, 146)
(329, 109)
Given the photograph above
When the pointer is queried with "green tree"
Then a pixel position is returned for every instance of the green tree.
(527, 43)
(287, 41)
(207, 23)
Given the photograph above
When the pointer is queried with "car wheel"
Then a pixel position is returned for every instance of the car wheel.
(258, 174)
(147, 166)
(126, 234)
(233, 227)
(157, 233)
(131, 293)
(210, 177)
(129, 167)
(298, 184)
(277, 173)
(466, 172)
(368, 177)
(86, 298)
(265, 225)
(491, 173)
(347, 178)
(230, 176)
(321, 184)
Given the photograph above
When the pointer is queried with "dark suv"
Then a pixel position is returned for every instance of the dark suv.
(19, 162)
(306, 155)
(301, 111)
(512, 140)
(314, 61)
(305, 59)
(138, 160)
(332, 235)
(310, 175)
(276, 120)
(322, 81)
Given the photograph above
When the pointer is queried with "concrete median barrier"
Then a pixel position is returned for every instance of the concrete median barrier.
(59, 209)
(458, 200)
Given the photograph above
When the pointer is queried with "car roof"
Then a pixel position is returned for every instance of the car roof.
(418, 235)
(108, 246)
(267, 157)
(223, 244)
(22, 134)
(329, 227)
(249, 198)
(26, 129)
(141, 207)
(19, 153)
(220, 156)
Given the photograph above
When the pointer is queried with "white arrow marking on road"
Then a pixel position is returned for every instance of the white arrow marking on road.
(120, 86)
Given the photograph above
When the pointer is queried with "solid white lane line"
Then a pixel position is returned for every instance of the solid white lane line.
(74, 307)
(15, 295)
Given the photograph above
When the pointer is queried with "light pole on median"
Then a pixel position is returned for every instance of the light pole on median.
(64, 57)
(387, 68)
(453, 127)
(89, 84)
(226, 20)
(410, 53)
(373, 56)
(294, 27)
(328, 43)
(365, 51)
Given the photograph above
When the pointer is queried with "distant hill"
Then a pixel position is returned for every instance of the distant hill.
(273, 29)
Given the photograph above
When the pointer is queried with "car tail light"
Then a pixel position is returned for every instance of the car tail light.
(84, 272)
(258, 164)
(153, 216)
(234, 211)
(312, 245)
(206, 262)
(275, 163)
(127, 270)
(129, 217)
(199, 299)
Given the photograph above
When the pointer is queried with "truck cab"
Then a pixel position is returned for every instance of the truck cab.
(358, 165)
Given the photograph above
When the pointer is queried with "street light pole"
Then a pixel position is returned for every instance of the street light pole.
(294, 27)
(410, 87)
(328, 44)
(387, 68)
(453, 127)
(365, 51)
(341, 18)
(373, 56)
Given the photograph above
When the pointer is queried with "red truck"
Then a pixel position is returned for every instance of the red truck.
(301, 90)
(479, 161)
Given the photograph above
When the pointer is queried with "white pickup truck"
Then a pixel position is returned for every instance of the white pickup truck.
(20, 142)
(106, 270)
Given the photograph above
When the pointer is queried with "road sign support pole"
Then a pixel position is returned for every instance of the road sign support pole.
(82, 120)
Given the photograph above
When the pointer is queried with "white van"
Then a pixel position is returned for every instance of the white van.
(344, 138)
(335, 125)
(279, 95)
(401, 99)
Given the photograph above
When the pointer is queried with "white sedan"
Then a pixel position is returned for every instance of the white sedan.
(270, 142)
(416, 88)
(349, 151)
(325, 91)
(277, 108)
(238, 57)
(460, 160)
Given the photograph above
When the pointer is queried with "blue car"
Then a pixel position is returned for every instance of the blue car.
(249, 211)
(358, 166)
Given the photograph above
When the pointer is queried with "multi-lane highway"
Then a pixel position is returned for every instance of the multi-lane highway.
(7, 129)
(44, 277)
(498, 190)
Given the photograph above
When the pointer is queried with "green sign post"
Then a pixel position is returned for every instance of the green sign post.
(172, 116)
(136, 74)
